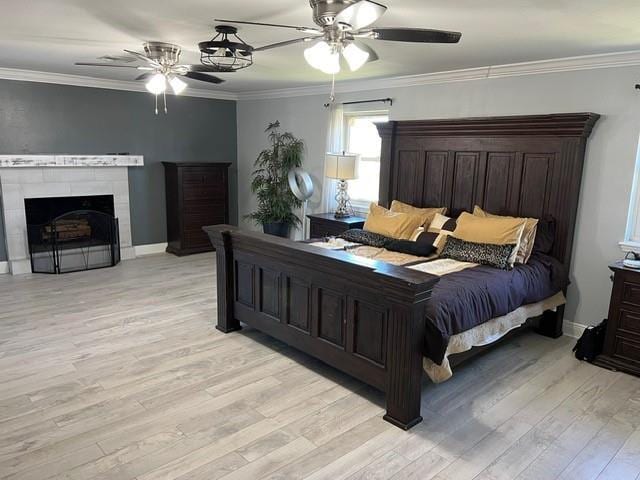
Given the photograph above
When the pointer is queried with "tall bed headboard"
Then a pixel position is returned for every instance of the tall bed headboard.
(528, 166)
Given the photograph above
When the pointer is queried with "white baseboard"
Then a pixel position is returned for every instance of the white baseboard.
(150, 249)
(572, 329)
(4, 267)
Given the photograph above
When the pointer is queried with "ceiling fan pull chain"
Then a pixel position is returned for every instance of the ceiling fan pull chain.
(164, 99)
(332, 95)
(156, 103)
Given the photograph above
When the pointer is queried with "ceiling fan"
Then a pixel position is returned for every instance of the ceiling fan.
(162, 69)
(342, 25)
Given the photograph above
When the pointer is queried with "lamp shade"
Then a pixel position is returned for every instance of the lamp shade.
(342, 166)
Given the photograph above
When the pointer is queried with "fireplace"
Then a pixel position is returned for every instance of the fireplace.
(68, 234)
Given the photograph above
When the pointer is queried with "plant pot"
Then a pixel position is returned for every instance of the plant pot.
(279, 229)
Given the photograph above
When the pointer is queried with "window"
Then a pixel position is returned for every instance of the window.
(361, 137)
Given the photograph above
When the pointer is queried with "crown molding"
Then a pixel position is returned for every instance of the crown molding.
(93, 82)
(568, 64)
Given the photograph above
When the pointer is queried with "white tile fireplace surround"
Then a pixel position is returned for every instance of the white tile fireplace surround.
(40, 176)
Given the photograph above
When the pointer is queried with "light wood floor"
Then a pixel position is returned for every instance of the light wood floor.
(119, 374)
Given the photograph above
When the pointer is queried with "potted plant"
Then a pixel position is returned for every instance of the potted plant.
(270, 183)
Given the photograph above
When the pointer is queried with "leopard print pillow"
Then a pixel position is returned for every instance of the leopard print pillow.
(482, 253)
(371, 239)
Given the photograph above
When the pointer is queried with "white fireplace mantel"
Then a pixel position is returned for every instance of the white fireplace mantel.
(39, 161)
(42, 176)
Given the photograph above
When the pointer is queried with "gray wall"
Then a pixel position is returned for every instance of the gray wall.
(43, 118)
(610, 159)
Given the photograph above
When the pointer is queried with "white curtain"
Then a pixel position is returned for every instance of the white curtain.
(335, 144)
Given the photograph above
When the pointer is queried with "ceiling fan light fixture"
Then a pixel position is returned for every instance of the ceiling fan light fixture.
(177, 85)
(226, 51)
(157, 84)
(355, 56)
(323, 57)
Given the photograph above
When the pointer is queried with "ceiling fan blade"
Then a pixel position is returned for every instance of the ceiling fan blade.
(361, 14)
(285, 43)
(301, 29)
(420, 35)
(204, 69)
(373, 56)
(203, 77)
(91, 64)
(142, 57)
(144, 76)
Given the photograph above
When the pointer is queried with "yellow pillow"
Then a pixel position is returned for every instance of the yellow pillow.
(391, 224)
(497, 231)
(528, 234)
(427, 214)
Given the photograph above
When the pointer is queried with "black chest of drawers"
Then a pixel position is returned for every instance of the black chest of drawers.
(197, 195)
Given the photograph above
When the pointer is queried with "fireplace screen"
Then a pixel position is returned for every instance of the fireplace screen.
(77, 240)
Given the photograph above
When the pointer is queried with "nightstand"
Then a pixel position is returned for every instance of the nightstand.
(622, 339)
(326, 225)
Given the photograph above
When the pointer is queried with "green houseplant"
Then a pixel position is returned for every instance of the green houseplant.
(270, 183)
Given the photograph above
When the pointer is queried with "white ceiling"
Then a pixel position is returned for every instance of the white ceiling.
(50, 35)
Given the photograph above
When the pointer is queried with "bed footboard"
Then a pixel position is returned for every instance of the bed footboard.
(363, 317)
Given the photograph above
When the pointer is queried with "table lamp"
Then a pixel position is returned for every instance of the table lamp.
(342, 167)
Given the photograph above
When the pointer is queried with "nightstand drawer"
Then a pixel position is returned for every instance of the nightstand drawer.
(631, 293)
(629, 321)
(627, 350)
(319, 230)
(326, 225)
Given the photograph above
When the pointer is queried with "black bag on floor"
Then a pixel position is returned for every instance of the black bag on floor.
(590, 344)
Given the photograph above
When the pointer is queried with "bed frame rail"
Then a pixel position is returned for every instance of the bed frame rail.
(363, 317)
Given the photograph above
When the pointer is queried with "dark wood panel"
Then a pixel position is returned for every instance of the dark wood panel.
(369, 331)
(269, 298)
(465, 174)
(498, 183)
(534, 191)
(409, 176)
(330, 317)
(245, 283)
(298, 304)
(435, 174)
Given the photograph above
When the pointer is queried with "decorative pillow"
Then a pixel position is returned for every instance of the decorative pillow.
(483, 253)
(528, 234)
(440, 227)
(427, 214)
(357, 235)
(545, 235)
(380, 241)
(411, 247)
(497, 231)
(391, 224)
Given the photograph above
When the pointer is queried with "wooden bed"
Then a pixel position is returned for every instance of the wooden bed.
(367, 318)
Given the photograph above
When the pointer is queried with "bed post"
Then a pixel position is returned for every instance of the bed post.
(224, 276)
(404, 364)
(550, 323)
